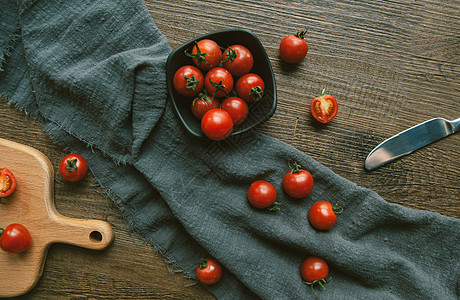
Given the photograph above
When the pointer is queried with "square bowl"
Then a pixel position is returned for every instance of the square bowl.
(259, 111)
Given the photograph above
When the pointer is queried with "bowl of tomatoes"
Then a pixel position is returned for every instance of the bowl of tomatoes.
(225, 70)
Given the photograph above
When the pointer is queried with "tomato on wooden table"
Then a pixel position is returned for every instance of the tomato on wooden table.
(323, 215)
(238, 60)
(218, 82)
(237, 108)
(202, 103)
(314, 271)
(298, 183)
(209, 271)
(188, 81)
(73, 167)
(206, 54)
(7, 182)
(250, 87)
(293, 48)
(324, 108)
(217, 124)
(15, 238)
(262, 194)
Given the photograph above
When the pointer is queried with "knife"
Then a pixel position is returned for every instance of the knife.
(410, 140)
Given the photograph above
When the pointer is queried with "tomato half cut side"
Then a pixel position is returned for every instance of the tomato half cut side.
(7, 182)
(324, 108)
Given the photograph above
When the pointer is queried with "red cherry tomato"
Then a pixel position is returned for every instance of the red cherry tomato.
(293, 48)
(7, 182)
(73, 167)
(202, 104)
(250, 87)
(324, 108)
(238, 60)
(15, 238)
(209, 271)
(206, 54)
(218, 82)
(323, 215)
(217, 124)
(298, 183)
(188, 81)
(314, 269)
(237, 108)
(261, 194)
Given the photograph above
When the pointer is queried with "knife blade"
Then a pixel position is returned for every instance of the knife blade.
(410, 140)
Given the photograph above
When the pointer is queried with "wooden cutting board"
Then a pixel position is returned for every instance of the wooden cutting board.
(32, 205)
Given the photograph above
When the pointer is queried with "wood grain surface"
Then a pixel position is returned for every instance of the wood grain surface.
(390, 64)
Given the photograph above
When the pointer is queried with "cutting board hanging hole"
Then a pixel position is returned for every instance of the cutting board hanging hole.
(95, 236)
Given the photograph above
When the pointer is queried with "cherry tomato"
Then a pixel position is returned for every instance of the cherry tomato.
(15, 238)
(237, 108)
(217, 124)
(206, 54)
(73, 167)
(324, 108)
(293, 48)
(209, 271)
(298, 183)
(218, 82)
(323, 215)
(202, 104)
(238, 60)
(250, 87)
(7, 182)
(261, 194)
(314, 269)
(188, 81)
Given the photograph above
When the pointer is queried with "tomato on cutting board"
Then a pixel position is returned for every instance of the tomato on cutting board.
(15, 238)
(209, 271)
(7, 182)
(73, 167)
(324, 108)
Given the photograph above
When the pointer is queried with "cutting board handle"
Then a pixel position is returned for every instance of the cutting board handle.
(86, 233)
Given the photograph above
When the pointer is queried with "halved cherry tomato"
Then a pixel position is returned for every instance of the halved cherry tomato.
(188, 81)
(323, 215)
(250, 87)
(73, 167)
(218, 82)
(15, 238)
(217, 124)
(261, 194)
(298, 183)
(238, 60)
(206, 54)
(7, 182)
(237, 108)
(324, 107)
(202, 103)
(293, 48)
(209, 271)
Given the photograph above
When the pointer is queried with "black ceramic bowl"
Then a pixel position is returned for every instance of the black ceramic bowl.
(259, 111)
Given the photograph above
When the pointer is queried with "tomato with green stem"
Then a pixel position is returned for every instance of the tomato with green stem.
(209, 271)
(203, 103)
(314, 271)
(298, 183)
(323, 215)
(206, 54)
(293, 48)
(7, 182)
(15, 238)
(324, 108)
(238, 60)
(250, 87)
(73, 167)
(218, 82)
(188, 81)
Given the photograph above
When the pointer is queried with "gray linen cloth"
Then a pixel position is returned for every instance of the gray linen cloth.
(92, 72)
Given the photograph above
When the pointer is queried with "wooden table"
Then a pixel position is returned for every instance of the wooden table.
(390, 64)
